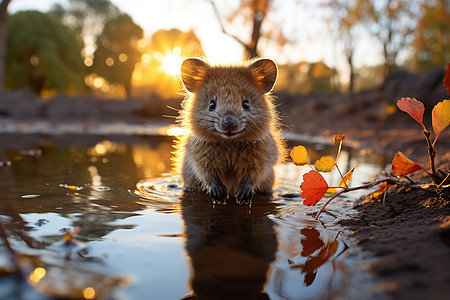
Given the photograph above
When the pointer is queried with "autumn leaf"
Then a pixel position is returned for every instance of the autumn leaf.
(69, 236)
(383, 187)
(413, 107)
(440, 117)
(299, 155)
(313, 187)
(347, 178)
(325, 164)
(330, 191)
(401, 165)
(447, 78)
(338, 138)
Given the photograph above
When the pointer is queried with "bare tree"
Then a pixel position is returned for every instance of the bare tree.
(346, 17)
(3, 35)
(256, 12)
(393, 22)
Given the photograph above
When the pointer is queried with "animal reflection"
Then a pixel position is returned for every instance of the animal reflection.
(230, 247)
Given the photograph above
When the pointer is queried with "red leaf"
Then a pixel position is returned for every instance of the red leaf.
(401, 165)
(413, 107)
(313, 187)
(447, 79)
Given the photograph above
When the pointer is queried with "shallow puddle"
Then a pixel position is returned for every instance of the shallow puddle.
(94, 217)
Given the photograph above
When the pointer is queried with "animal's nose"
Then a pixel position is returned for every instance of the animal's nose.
(229, 122)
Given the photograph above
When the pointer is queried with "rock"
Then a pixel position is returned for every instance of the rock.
(20, 104)
(63, 107)
(426, 87)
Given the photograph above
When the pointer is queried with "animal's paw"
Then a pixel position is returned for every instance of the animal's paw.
(244, 192)
(218, 192)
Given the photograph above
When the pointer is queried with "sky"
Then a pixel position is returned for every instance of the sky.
(310, 39)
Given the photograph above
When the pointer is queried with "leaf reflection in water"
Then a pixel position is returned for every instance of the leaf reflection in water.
(311, 244)
(307, 265)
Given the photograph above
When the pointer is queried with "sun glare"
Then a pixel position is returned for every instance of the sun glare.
(172, 64)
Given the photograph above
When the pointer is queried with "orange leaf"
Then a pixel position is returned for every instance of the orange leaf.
(337, 138)
(381, 190)
(325, 164)
(313, 187)
(347, 177)
(440, 117)
(299, 155)
(447, 78)
(413, 107)
(401, 165)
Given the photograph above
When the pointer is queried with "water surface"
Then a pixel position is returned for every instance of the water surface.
(138, 235)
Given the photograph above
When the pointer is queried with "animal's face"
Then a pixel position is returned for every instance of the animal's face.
(230, 102)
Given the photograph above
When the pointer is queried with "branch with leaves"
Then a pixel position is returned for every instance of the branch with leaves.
(314, 187)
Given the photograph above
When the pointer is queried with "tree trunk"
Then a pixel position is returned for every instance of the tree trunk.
(3, 33)
(352, 72)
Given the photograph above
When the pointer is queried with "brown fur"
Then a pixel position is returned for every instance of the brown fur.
(231, 149)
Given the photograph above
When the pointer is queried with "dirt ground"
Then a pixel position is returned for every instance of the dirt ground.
(410, 232)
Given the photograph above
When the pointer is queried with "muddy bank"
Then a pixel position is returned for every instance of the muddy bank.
(410, 232)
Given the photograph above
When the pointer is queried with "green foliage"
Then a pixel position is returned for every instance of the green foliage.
(85, 17)
(432, 35)
(117, 51)
(42, 54)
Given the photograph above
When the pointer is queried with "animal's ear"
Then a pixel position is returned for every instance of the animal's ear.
(192, 73)
(265, 72)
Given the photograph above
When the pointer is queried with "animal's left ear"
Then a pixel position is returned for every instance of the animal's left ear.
(265, 72)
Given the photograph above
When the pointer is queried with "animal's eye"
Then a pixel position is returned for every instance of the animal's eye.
(245, 104)
(212, 105)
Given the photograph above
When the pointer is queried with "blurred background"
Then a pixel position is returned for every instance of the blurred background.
(91, 55)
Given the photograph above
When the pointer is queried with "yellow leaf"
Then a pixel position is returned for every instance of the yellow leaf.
(68, 237)
(330, 191)
(333, 247)
(325, 164)
(441, 116)
(347, 177)
(299, 155)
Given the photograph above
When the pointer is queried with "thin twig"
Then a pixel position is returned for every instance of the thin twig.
(431, 151)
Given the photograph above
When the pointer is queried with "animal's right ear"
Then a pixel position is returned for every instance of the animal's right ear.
(192, 73)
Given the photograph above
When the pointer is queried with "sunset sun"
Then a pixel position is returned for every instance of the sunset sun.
(171, 63)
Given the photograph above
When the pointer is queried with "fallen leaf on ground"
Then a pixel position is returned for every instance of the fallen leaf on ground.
(299, 155)
(313, 188)
(413, 107)
(325, 164)
(440, 117)
(383, 187)
(401, 165)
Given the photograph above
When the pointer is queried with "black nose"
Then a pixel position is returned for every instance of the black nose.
(229, 122)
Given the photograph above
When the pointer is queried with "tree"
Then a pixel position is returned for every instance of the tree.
(346, 17)
(85, 17)
(117, 51)
(3, 32)
(254, 12)
(392, 22)
(432, 35)
(42, 54)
